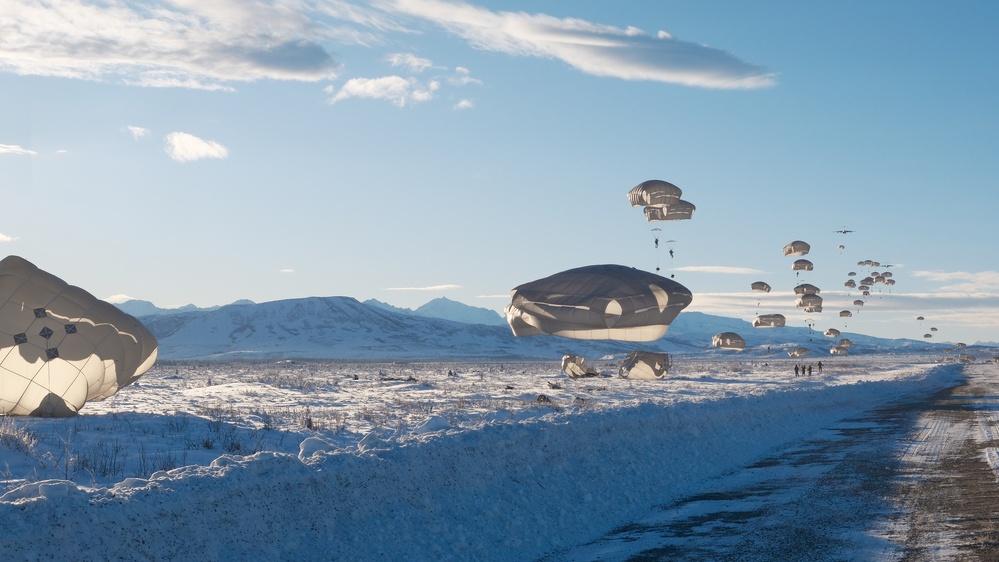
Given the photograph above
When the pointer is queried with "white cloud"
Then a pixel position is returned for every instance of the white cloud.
(286, 270)
(724, 269)
(464, 104)
(5, 238)
(410, 62)
(462, 77)
(430, 288)
(180, 43)
(596, 49)
(137, 132)
(184, 147)
(15, 149)
(963, 281)
(396, 89)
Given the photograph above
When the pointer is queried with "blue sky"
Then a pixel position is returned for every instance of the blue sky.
(203, 152)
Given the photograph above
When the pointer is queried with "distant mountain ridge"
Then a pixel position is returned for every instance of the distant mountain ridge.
(345, 328)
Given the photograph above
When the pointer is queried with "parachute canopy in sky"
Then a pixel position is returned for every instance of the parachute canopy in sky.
(597, 302)
(654, 193)
(769, 321)
(802, 265)
(806, 289)
(799, 352)
(797, 248)
(728, 340)
(681, 210)
(760, 286)
(839, 350)
(832, 333)
(645, 365)
(60, 346)
(845, 314)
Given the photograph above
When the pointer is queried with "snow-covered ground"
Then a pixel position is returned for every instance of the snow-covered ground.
(405, 461)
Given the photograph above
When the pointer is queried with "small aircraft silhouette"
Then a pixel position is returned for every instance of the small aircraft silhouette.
(844, 231)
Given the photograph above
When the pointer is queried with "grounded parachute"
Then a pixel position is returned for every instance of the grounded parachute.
(645, 365)
(728, 340)
(61, 346)
(797, 248)
(760, 286)
(576, 367)
(611, 302)
(769, 321)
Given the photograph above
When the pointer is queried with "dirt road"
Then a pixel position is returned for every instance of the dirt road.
(916, 481)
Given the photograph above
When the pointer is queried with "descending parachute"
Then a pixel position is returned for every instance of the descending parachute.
(799, 352)
(832, 333)
(645, 365)
(760, 286)
(810, 302)
(728, 340)
(60, 346)
(769, 321)
(797, 248)
(654, 193)
(845, 314)
(802, 265)
(806, 289)
(839, 350)
(678, 211)
(610, 302)
(845, 342)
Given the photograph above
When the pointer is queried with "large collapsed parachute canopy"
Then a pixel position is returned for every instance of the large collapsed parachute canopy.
(597, 302)
(797, 248)
(760, 286)
(645, 365)
(60, 346)
(769, 321)
(728, 340)
(576, 367)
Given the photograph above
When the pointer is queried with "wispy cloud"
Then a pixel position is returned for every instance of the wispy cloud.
(185, 44)
(5, 238)
(15, 149)
(723, 269)
(596, 49)
(463, 104)
(286, 270)
(462, 77)
(184, 147)
(430, 288)
(211, 45)
(137, 132)
(396, 89)
(410, 62)
(963, 281)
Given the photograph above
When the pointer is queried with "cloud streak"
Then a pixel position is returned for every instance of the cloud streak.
(723, 269)
(395, 89)
(600, 50)
(15, 149)
(184, 147)
(430, 288)
(5, 238)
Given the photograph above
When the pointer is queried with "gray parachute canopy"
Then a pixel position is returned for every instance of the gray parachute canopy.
(654, 193)
(770, 321)
(807, 289)
(678, 211)
(760, 286)
(576, 367)
(802, 265)
(60, 346)
(597, 302)
(728, 340)
(799, 352)
(645, 365)
(797, 248)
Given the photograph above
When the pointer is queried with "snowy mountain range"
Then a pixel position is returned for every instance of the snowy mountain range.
(345, 328)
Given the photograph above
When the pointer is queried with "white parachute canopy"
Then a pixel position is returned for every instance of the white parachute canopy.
(839, 350)
(654, 193)
(728, 340)
(60, 346)
(597, 302)
(576, 367)
(799, 352)
(645, 365)
(678, 211)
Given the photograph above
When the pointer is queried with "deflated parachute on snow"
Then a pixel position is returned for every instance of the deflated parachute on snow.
(60, 346)
(597, 302)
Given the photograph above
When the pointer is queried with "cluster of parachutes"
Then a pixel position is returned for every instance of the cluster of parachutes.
(608, 301)
(60, 346)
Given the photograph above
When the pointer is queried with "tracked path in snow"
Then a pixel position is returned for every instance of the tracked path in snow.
(913, 482)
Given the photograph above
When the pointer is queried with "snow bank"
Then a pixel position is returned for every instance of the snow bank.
(508, 489)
